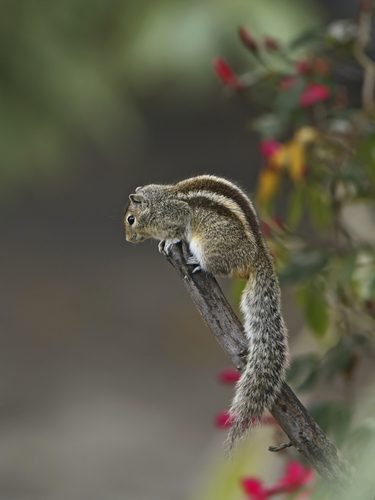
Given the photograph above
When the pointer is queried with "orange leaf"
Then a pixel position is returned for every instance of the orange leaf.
(268, 182)
(297, 161)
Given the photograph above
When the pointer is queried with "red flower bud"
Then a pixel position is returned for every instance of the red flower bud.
(228, 376)
(255, 488)
(313, 93)
(226, 73)
(296, 475)
(247, 39)
(270, 43)
(268, 147)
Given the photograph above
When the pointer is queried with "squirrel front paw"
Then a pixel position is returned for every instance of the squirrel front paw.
(165, 245)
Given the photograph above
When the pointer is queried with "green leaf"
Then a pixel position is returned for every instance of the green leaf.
(268, 125)
(337, 359)
(315, 308)
(302, 266)
(304, 371)
(295, 207)
(347, 267)
(317, 314)
(288, 99)
(307, 37)
(372, 285)
(362, 435)
(333, 418)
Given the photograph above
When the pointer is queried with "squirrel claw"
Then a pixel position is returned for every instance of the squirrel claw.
(161, 246)
(193, 261)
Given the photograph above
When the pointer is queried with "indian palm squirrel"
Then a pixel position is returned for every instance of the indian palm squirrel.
(221, 227)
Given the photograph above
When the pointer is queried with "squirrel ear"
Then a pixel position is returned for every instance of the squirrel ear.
(138, 198)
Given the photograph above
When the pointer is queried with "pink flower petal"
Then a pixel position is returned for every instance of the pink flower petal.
(225, 72)
(254, 488)
(268, 147)
(223, 419)
(228, 376)
(313, 93)
(296, 475)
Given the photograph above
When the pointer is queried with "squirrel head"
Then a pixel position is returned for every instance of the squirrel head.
(136, 218)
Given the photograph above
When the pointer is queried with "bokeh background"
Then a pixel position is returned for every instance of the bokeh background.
(107, 387)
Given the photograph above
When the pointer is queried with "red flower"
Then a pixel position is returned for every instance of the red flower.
(314, 92)
(296, 475)
(228, 376)
(223, 419)
(268, 147)
(247, 39)
(254, 487)
(226, 73)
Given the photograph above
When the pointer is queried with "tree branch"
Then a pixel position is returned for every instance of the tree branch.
(302, 430)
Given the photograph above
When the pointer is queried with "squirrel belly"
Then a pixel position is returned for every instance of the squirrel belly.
(218, 221)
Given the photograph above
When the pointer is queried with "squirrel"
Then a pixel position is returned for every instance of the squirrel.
(221, 227)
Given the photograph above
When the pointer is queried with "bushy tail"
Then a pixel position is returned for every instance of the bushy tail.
(263, 376)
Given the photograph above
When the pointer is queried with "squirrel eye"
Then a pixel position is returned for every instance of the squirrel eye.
(131, 219)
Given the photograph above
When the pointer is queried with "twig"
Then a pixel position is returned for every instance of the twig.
(302, 430)
(281, 447)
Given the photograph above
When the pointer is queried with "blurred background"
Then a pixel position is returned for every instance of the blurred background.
(107, 386)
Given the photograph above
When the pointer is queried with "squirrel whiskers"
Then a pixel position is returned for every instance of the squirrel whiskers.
(220, 225)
